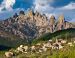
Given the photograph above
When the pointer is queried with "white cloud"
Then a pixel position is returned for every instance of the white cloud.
(69, 6)
(7, 4)
(42, 5)
(7, 14)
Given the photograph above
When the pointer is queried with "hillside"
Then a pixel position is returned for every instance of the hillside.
(67, 34)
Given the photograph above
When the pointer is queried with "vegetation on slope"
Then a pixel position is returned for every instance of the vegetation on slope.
(67, 34)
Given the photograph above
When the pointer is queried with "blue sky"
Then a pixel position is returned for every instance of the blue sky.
(49, 7)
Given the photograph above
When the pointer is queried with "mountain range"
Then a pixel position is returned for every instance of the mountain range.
(31, 25)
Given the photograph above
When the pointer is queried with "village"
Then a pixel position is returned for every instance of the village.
(40, 48)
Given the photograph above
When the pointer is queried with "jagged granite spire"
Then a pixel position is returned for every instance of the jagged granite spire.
(61, 21)
(52, 23)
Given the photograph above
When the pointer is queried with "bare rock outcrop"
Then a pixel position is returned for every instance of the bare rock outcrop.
(52, 23)
(61, 22)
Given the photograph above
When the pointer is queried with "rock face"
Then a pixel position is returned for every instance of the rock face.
(32, 25)
(52, 24)
(61, 22)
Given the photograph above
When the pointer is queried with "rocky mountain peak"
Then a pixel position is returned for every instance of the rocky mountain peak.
(61, 19)
(52, 20)
(52, 17)
(30, 13)
(15, 15)
(52, 23)
(21, 13)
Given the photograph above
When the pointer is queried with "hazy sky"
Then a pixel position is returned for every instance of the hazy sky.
(49, 7)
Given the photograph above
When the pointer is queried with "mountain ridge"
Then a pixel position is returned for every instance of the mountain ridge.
(32, 25)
